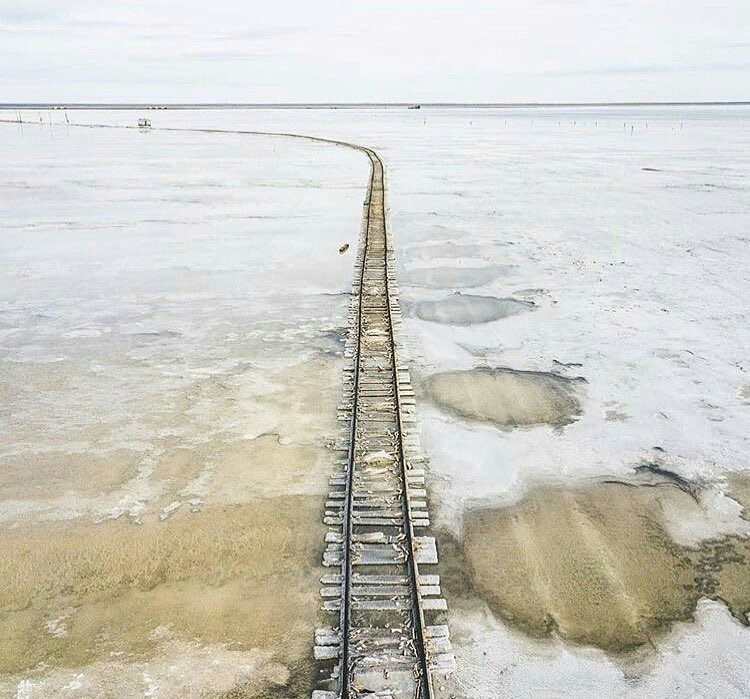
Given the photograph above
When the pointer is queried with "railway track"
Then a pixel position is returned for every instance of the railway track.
(390, 639)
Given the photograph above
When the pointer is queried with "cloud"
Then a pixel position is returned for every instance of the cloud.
(482, 50)
(26, 14)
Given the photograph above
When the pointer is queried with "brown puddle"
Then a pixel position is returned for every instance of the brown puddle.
(243, 576)
(596, 564)
(505, 397)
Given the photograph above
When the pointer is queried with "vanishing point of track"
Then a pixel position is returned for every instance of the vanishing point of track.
(390, 639)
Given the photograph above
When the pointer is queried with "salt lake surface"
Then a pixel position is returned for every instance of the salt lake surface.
(172, 305)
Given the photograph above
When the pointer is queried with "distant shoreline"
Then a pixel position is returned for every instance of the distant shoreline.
(356, 105)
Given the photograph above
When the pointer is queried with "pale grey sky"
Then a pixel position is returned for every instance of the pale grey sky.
(391, 50)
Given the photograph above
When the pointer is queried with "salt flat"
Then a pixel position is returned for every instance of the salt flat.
(172, 313)
(626, 229)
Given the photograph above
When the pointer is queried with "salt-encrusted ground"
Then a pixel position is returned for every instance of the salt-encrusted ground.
(171, 318)
(627, 230)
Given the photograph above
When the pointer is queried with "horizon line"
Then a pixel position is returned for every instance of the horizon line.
(356, 105)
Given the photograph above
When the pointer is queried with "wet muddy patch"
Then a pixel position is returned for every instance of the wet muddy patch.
(739, 489)
(243, 576)
(469, 309)
(596, 565)
(57, 472)
(265, 467)
(506, 397)
(453, 277)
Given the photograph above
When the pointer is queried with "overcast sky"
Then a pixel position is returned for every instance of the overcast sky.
(390, 50)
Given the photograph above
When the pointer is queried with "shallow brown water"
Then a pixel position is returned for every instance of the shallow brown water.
(597, 566)
(506, 397)
(243, 576)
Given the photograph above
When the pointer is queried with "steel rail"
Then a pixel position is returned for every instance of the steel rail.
(346, 597)
(418, 612)
(424, 688)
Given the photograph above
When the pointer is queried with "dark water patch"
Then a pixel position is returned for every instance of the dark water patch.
(685, 485)
(467, 309)
(454, 277)
(566, 365)
(506, 397)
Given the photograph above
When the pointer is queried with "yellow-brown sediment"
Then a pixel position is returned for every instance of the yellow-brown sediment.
(598, 566)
